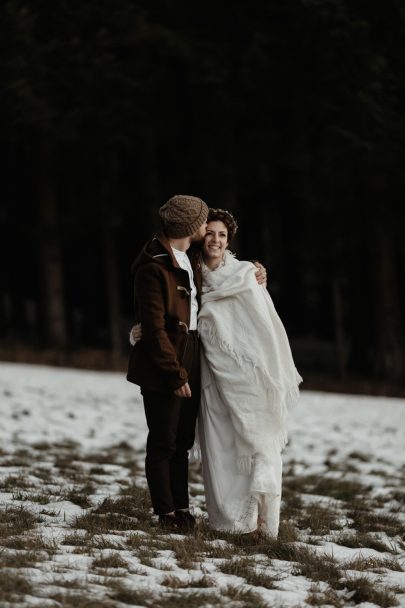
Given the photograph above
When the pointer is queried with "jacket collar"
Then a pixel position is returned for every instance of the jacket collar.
(164, 242)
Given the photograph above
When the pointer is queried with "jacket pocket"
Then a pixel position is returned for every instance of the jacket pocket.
(178, 336)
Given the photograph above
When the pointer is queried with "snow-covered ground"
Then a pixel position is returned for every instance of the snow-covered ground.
(351, 438)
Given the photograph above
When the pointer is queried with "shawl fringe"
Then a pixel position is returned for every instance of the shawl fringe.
(290, 393)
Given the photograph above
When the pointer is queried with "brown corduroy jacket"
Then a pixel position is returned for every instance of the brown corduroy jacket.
(162, 305)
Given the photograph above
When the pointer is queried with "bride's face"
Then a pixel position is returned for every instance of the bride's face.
(215, 241)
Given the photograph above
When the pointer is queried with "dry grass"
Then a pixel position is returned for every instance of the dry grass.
(338, 488)
(41, 499)
(365, 590)
(288, 532)
(360, 456)
(135, 541)
(174, 582)
(146, 554)
(248, 569)
(399, 496)
(329, 597)
(317, 567)
(363, 540)
(13, 586)
(42, 446)
(112, 560)
(78, 600)
(20, 559)
(98, 471)
(80, 496)
(207, 543)
(77, 477)
(77, 539)
(373, 564)
(292, 504)
(44, 475)
(133, 503)
(131, 465)
(94, 523)
(49, 512)
(139, 495)
(103, 457)
(129, 595)
(319, 519)
(35, 542)
(184, 598)
(124, 505)
(16, 520)
(15, 481)
(365, 521)
(68, 462)
(245, 598)
(341, 489)
(20, 458)
(69, 583)
(100, 542)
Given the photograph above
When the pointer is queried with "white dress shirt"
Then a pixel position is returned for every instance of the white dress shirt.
(184, 262)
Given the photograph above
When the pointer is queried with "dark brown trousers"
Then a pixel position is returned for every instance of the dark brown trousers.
(171, 422)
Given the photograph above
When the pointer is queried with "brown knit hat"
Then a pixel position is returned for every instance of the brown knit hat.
(183, 215)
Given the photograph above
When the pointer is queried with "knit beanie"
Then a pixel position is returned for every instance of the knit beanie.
(183, 215)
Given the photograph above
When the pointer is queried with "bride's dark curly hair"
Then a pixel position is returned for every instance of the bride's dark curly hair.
(220, 215)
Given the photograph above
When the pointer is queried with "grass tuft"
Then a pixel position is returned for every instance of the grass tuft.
(247, 569)
(341, 489)
(20, 559)
(93, 523)
(362, 540)
(12, 586)
(75, 600)
(132, 596)
(365, 590)
(15, 481)
(16, 520)
(317, 567)
(365, 520)
(244, 598)
(112, 560)
(319, 519)
(328, 597)
(373, 564)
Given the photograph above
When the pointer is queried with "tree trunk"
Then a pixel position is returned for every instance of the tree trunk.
(108, 192)
(50, 250)
(389, 326)
(340, 340)
(112, 286)
(149, 218)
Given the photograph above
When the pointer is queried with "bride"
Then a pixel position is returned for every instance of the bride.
(249, 383)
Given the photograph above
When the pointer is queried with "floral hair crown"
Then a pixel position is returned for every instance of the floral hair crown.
(226, 217)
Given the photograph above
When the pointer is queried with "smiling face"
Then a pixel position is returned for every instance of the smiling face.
(215, 243)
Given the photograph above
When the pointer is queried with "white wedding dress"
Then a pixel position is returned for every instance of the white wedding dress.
(235, 501)
(248, 385)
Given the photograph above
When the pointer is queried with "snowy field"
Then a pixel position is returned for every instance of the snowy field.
(76, 527)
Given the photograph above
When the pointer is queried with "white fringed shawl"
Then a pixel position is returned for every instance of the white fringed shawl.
(248, 356)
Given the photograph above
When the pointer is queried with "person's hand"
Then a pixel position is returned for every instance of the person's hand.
(261, 274)
(183, 391)
(135, 334)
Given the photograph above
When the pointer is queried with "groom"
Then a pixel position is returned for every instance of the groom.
(165, 363)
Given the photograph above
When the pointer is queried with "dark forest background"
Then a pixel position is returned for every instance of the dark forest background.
(289, 113)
